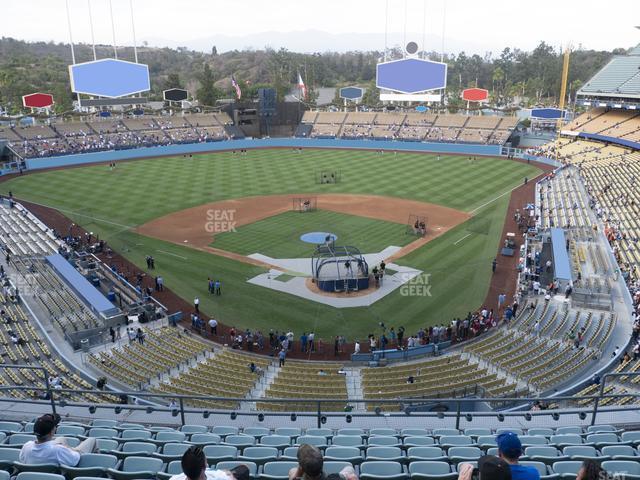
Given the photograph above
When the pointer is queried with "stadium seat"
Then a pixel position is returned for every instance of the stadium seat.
(431, 454)
(17, 440)
(564, 440)
(136, 467)
(351, 431)
(477, 432)
(447, 441)
(290, 453)
(256, 432)
(347, 454)
(542, 470)
(239, 441)
(135, 435)
(383, 442)
(224, 430)
(632, 437)
(101, 432)
(541, 432)
(626, 469)
(601, 429)
(4, 475)
(392, 454)
(291, 432)
(530, 440)
(135, 449)
(486, 441)
(278, 441)
(10, 427)
(228, 465)
(189, 429)
(104, 423)
(38, 476)
(171, 452)
(106, 445)
(600, 440)
(39, 467)
(418, 441)
(581, 452)
(90, 465)
(220, 453)
(7, 458)
(165, 437)
(464, 454)
(334, 466)
(383, 432)
(414, 432)
(620, 452)
(319, 432)
(548, 454)
(567, 469)
(205, 439)
(425, 470)
(173, 468)
(440, 432)
(71, 441)
(259, 455)
(320, 442)
(129, 426)
(569, 430)
(517, 431)
(277, 470)
(348, 441)
(71, 430)
(382, 471)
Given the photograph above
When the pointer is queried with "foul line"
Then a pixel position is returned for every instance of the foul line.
(503, 194)
(173, 254)
(102, 220)
(467, 235)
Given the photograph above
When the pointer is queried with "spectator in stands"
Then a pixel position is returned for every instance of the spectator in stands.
(591, 470)
(47, 449)
(310, 464)
(510, 450)
(490, 467)
(213, 324)
(281, 357)
(194, 467)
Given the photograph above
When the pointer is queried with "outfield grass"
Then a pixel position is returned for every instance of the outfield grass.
(112, 203)
(279, 236)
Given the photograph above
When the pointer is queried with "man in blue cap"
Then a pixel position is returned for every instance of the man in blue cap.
(510, 449)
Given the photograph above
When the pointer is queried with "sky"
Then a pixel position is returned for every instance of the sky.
(472, 26)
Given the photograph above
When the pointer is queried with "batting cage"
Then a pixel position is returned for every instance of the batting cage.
(304, 204)
(339, 268)
(327, 176)
(417, 225)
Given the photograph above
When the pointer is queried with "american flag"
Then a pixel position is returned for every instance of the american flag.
(302, 87)
(235, 85)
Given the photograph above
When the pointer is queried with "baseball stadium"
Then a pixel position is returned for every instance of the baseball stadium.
(416, 278)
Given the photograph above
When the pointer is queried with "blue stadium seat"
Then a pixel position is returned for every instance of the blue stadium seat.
(348, 441)
(346, 454)
(278, 441)
(581, 452)
(136, 467)
(601, 429)
(426, 453)
(70, 430)
(135, 449)
(220, 453)
(567, 469)
(464, 454)
(392, 454)
(290, 453)
(38, 476)
(189, 429)
(622, 468)
(277, 470)
(17, 440)
(575, 430)
(600, 440)
(352, 431)
(253, 468)
(10, 427)
(620, 452)
(104, 423)
(39, 467)
(8, 456)
(517, 431)
(383, 432)
(102, 432)
(4, 475)
(414, 432)
(320, 442)
(334, 466)
(165, 437)
(137, 434)
(382, 471)
(440, 432)
(259, 455)
(171, 452)
(418, 441)
(477, 432)
(545, 454)
(239, 441)
(256, 432)
(447, 441)
(631, 437)
(224, 430)
(486, 441)
(544, 432)
(425, 470)
(90, 465)
(379, 441)
(291, 432)
(173, 468)
(319, 432)
(529, 440)
(205, 439)
(106, 445)
(566, 439)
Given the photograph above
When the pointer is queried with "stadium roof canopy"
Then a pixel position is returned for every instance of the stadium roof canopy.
(620, 78)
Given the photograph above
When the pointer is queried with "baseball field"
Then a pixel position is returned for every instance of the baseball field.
(165, 207)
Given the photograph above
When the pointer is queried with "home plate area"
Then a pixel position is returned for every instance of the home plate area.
(295, 278)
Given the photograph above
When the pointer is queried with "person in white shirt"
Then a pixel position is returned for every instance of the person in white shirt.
(356, 347)
(47, 449)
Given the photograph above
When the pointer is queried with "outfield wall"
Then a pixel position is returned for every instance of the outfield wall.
(194, 148)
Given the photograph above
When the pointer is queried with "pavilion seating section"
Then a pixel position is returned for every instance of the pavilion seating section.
(134, 450)
(22, 234)
(410, 126)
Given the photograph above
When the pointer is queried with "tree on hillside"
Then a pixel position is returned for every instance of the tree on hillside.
(173, 81)
(207, 93)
